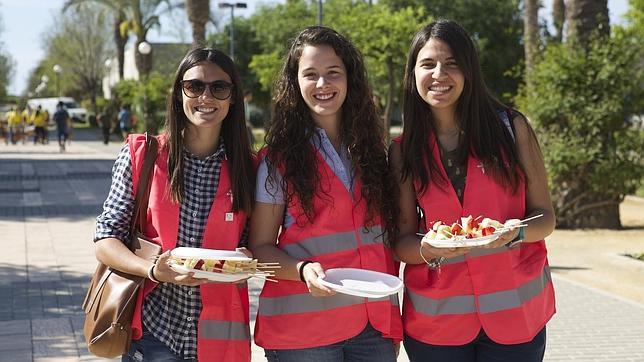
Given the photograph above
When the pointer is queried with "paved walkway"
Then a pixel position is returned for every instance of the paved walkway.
(48, 202)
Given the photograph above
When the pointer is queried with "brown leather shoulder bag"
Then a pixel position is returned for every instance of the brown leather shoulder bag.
(111, 297)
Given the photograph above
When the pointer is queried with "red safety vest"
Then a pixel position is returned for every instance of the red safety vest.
(507, 292)
(223, 327)
(289, 317)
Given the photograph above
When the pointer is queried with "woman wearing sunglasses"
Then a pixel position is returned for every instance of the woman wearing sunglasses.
(324, 186)
(202, 191)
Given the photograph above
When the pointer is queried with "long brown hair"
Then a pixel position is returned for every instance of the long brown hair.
(361, 130)
(485, 136)
(238, 150)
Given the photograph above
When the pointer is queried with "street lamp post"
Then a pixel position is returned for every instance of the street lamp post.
(145, 49)
(320, 14)
(107, 84)
(232, 7)
(57, 70)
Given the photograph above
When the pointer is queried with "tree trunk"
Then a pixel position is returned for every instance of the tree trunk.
(579, 209)
(558, 17)
(120, 40)
(583, 17)
(198, 15)
(530, 33)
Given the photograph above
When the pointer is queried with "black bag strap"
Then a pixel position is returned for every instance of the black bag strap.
(139, 215)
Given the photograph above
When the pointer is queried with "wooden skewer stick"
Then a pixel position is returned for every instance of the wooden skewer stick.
(531, 218)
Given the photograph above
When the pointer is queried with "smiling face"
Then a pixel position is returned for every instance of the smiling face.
(439, 80)
(322, 77)
(206, 111)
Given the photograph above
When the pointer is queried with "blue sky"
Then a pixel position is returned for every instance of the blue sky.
(25, 21)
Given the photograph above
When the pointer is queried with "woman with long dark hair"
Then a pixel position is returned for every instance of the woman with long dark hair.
(462, 153)
(202, 192)
(324, 201)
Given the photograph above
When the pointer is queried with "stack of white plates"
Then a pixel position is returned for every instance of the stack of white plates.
(361, 282)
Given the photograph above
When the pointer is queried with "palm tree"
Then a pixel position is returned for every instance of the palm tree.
(583, 17)
(198, 14)
(558, 17)
(530, 33)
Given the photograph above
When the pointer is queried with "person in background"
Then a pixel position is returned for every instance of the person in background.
(27, 127)
(46, 128)
(14, 125)
(104, 120)
(324, 200)
(39, 120)
(461, 153)
(125, 120)
(201, 195)
(61, 118)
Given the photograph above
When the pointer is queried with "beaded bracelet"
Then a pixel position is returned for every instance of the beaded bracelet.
(433, 263)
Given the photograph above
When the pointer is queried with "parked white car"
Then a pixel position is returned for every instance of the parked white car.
(76, 113)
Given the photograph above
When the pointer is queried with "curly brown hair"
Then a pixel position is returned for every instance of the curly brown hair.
(360, 129)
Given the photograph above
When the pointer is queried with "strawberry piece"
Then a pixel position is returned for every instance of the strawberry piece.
(488, 231)
(199, 264)
(457, 229)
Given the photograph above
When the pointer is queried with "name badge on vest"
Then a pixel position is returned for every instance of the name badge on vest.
(229, 215)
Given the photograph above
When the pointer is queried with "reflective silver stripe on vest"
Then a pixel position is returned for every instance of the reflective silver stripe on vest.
(226, 330)
(320, 245)
(372, 236)
(306, 303)
(393, 299)
(514, 298)
(454, 260)
(488, 303)
(461, 304)
(483, 252)
(476, 252)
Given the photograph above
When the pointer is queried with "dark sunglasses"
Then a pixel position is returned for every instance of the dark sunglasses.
(219, 89)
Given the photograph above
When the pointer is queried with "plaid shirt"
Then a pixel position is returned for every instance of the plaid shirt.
(170, 313)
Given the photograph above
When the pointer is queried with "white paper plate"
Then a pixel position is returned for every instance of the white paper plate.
(216, 277)
(361, 282)
(461, 243)
(200, 253)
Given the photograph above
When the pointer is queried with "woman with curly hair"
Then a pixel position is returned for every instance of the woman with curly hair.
(464, 153)
(324, 201)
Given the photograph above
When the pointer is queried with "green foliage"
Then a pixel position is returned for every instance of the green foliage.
(246, 45)
(383, 35)
(579, 102)
(152, 90)
(266, 67)
(274, 27)
(6, 68)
